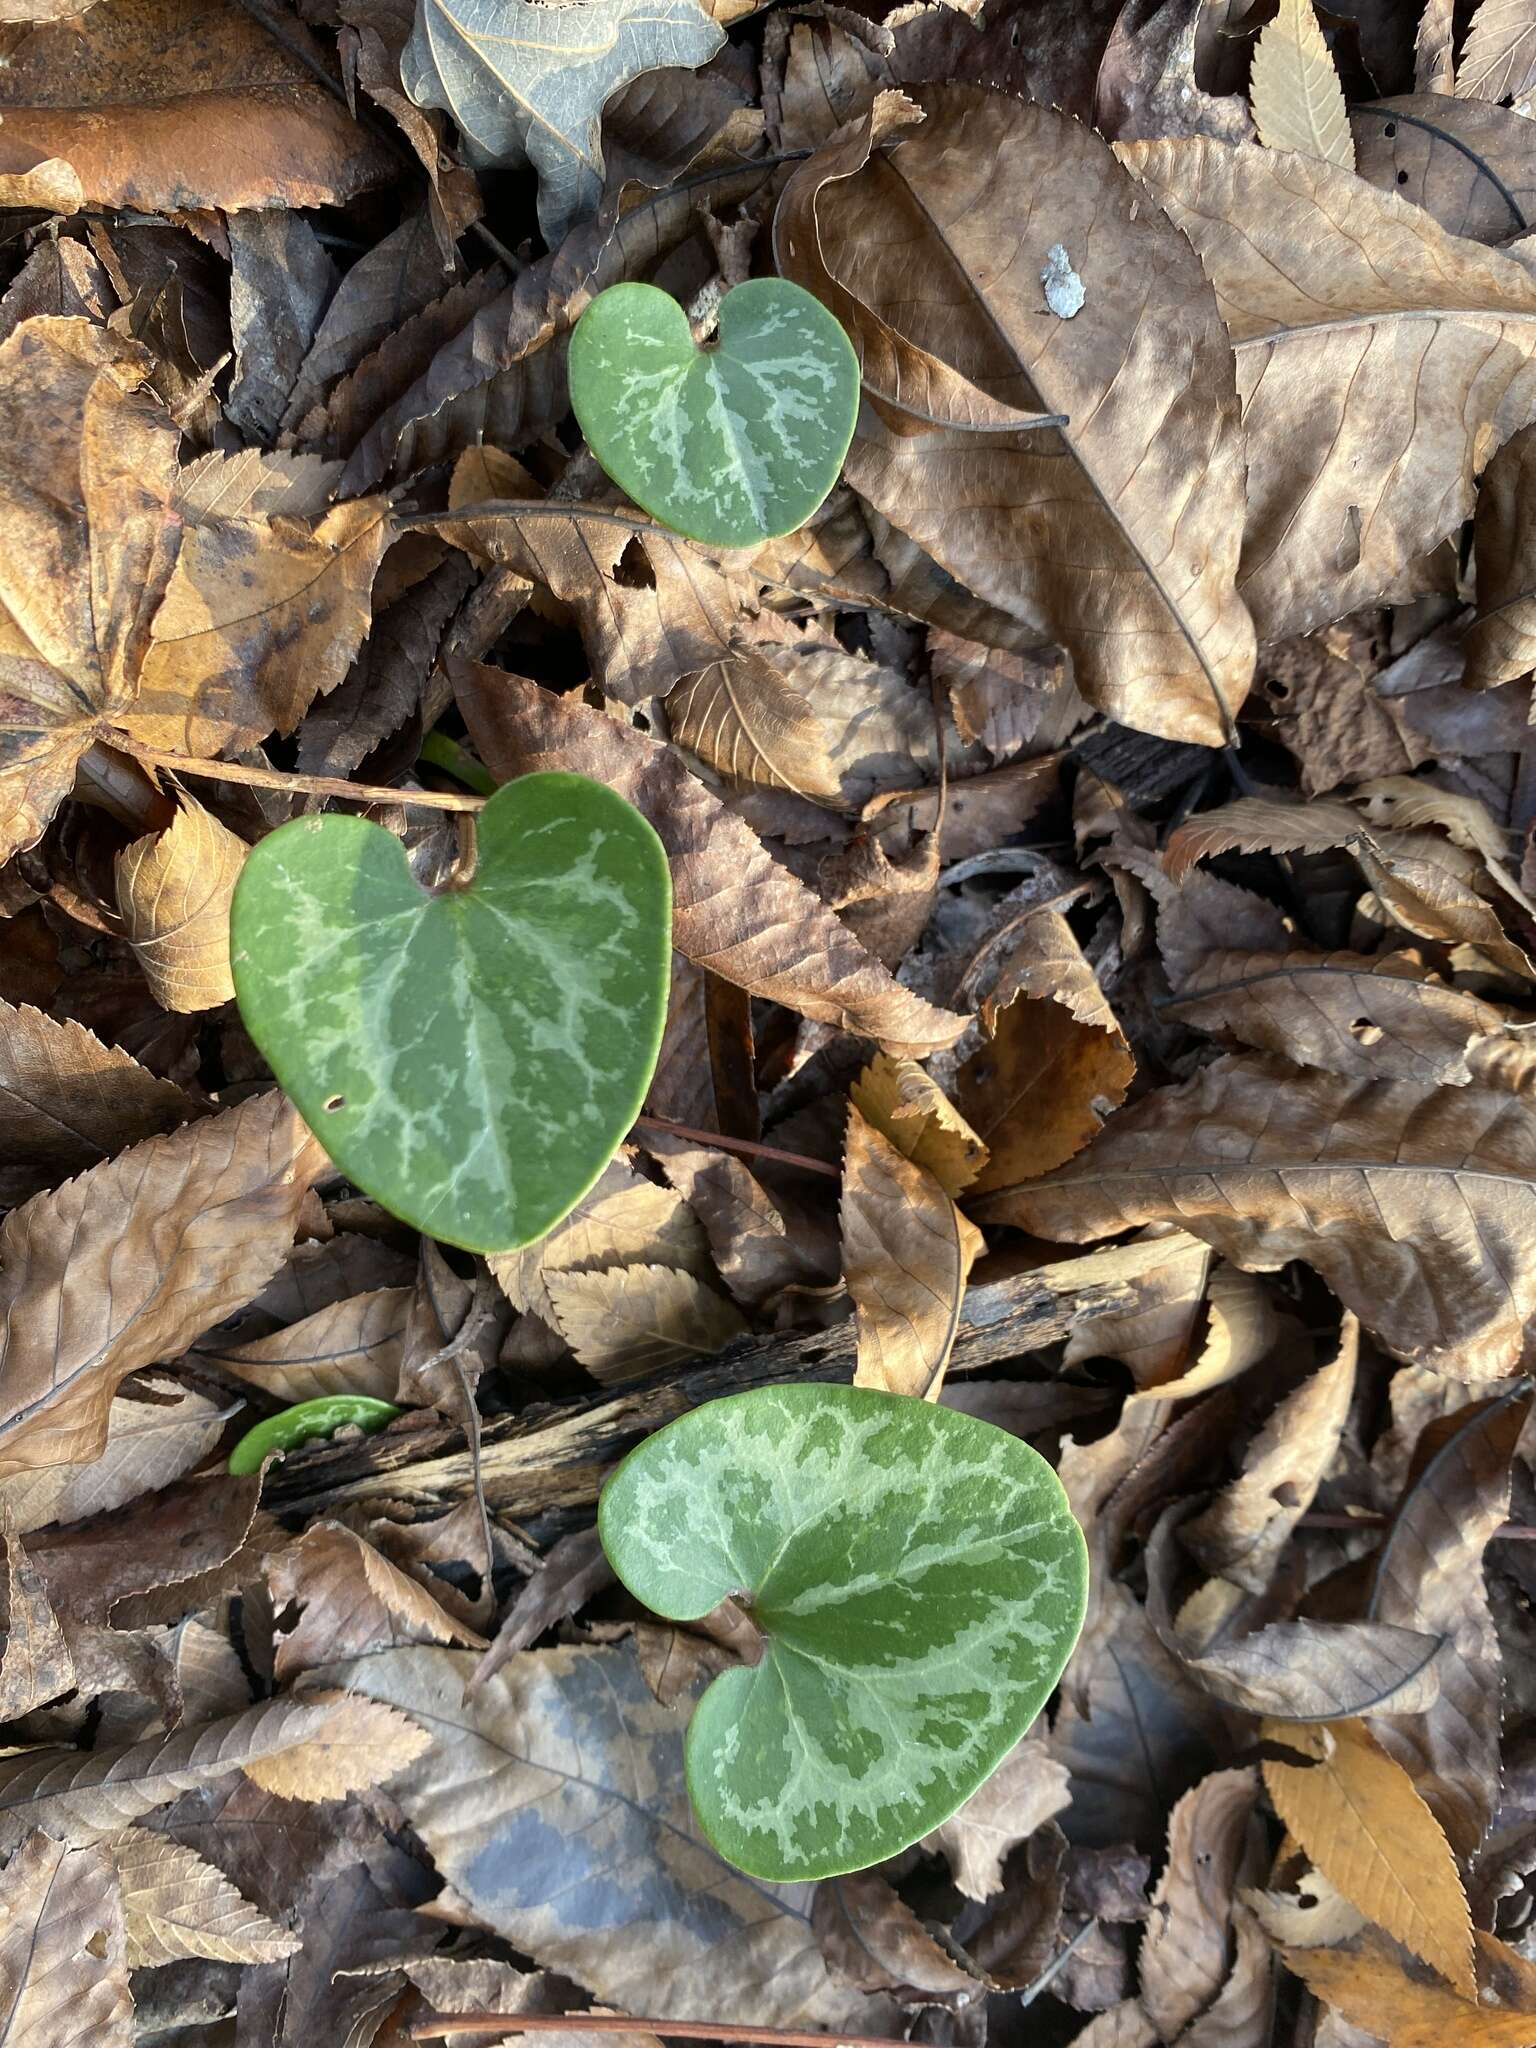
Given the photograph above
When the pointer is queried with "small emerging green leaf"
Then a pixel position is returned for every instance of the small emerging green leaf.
(920, 1583)
(731, 444)
(470, 1059)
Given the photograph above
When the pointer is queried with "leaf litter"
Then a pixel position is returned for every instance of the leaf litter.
(1103, 1002)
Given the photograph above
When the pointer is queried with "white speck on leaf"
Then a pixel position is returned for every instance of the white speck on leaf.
(1064, 292)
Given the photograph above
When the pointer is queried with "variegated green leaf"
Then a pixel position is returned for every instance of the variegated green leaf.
(730, 444)
(526, 82)
(472, 1058)
(919, 1581)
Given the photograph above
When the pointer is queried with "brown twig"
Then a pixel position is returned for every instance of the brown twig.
(443, 2023)
(749, 1147)
(297, 785)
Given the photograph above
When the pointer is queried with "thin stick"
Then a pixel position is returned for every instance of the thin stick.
(748, 1147)
(442, 2023)
(296, 785)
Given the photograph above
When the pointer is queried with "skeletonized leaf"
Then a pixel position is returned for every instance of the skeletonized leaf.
(626, 1321)
(1148, 472)
(1318, 274)
(126, 1264)
(1416, 1205)
(733, 906)
(348, 1347)
(527, 83)
(1298, 102)
(35, 1664)
(1359, 1818)
(173, 889)
(1028, 1787)
(907, 1253)
(906, 1105)
(68, 1101)
(176, 1905)
(352, 1600)
(1498, 59)
(63, 1973)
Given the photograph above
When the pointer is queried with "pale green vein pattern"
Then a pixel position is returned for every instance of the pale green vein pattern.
(920, 1581)
(470, 1059)
(730, 444)
(528, 82)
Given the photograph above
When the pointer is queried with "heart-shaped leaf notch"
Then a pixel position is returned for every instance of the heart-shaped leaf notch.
(730, 444)
(470, 1058)
(919, 1582)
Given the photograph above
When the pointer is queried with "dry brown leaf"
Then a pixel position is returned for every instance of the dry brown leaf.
(1498, 59)
(63, 1972)
(68, 1101)
(733, 907)
(1317, 273)
(150, 1443)
(1026, 1790)
(1057, 1064)
(909, 1108)
(349, 1347)
(142, 97)
(625, 1321)
(1416, 1205)
(174, 890)
(1469, 164)
(907, 1253)
(1147, 477)
(1147, 82)
(357, 1743)
(1298, 102)
(157, 1542)
(35, 1664)
(1242, 1328)
(1359, 1818)
(177, 1905)
(749, 1240)
(351, 1600)
(1184, 1952)
(1502, 641)
(1370, 1987)
(875, 1940)
(1009, 703)
(124, 1265)
(1429, 1575)
(1241, 1535)
(752, 722)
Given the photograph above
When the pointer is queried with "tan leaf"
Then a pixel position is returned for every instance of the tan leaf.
(1057, 1062)
(1298, 102)
(625, 1321)
(1026, 1790)
(1148, 473)
(355, 1744)
(352, 1600)
(907, 1253)
(350, 1347)
(124, 1265)
(1370, 1987)
(150, 1443)
(1463, 161)
(63, 1973)
(35, 1664)
(733, 907)
(1242, 1328)
(1152, 1338)
(1502, 640)
(752, 722)
(1241, 1535)
(176, 1905)
(909, 1108)
(68, 1101)
(143, 96)
(1498, 59)
(174, 890)
(875, 1940)
(748, 1238)
(1009, 703)
(1316, 273)
(1321, 1917)
(1358, 1817)
(1184, 1951)
(261, 616)
(1416, 1205)
(54, 185)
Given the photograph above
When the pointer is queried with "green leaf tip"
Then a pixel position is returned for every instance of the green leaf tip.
(920, 1581)
(730, 444)
(473, 1058)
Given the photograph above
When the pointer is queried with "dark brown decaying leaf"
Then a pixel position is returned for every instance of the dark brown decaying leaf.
(126, 1264)
(63, 1967)
(350, 1599)
(878, 1943)
(1468, 163)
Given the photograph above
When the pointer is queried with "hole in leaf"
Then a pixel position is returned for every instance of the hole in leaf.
(336, 1102)
(1390, 130)
(1363, 1029)
(1402, 177)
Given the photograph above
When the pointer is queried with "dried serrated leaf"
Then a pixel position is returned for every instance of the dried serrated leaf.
(150, 1443)
(1358, 1816)
(35, 1664)
(1298, 102)
(907, 1253)
(1184, 1953)
(875, 1940)
(749, 1240)
(908, 1107)
(1498, 59)
(1025, 1791)
(348, 1347)
(351, 1599)
(63, 1973)
(174, 890)
(625, 1321)
(352, 1745)
(751, 722)
(177, 1905)
(1369, 1985)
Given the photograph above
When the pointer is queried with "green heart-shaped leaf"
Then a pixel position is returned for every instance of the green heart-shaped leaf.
(470, 1059)
(730, 444)
(920, 1582)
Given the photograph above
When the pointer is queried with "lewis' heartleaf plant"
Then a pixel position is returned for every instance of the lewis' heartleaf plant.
(918, 1580)
(732, 443)
(471, 1058)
